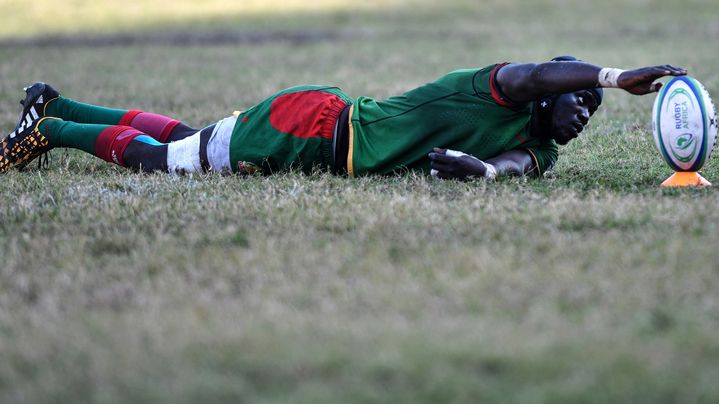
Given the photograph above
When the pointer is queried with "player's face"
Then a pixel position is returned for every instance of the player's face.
(571, 114)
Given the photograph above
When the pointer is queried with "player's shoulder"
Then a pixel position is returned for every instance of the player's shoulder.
(471, 73)
(475, 81)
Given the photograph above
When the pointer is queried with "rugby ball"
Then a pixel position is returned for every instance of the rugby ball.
(684, 124)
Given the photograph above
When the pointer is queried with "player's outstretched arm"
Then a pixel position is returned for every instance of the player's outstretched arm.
(451, 164)
(528, 82)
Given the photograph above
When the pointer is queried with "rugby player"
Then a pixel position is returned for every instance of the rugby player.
(503, 119)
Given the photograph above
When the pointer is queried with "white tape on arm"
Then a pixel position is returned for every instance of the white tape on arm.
(455, 153)
(608, 77)
(491, 172)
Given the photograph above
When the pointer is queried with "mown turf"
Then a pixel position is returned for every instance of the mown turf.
(590, 285)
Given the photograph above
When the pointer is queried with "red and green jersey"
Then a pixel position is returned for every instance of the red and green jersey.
(463, 110)
(291, 129)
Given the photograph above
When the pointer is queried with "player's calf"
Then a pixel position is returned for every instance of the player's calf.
(145, 154)
(161, 128)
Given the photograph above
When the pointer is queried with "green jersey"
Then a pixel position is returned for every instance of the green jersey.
(464, 110)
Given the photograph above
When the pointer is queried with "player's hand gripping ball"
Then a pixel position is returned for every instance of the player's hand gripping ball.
(684, 124)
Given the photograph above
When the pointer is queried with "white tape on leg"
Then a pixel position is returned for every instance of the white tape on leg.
(183, 156)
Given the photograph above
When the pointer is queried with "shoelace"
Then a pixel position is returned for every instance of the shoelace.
(44, 160)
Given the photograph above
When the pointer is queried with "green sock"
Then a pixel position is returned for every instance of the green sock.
(71, 110)
(70, 134)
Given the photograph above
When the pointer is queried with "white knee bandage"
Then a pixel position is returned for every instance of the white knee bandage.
(183, 156)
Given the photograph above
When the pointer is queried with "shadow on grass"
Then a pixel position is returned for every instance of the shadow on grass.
(294, 27)
(181, 38)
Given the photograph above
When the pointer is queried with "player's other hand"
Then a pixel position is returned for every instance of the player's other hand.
(641, 81)
(455, 165)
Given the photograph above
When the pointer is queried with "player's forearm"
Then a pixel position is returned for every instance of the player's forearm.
(527, 82)
(563, 77)
(513, 163)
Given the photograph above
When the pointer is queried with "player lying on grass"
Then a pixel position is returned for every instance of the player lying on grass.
(508, 118)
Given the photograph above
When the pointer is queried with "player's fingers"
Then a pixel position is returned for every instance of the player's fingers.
(676, 71)
(446, 171)
(440, 167)
(640, 76)
(654, 87)
(656, 72)
(441, 157)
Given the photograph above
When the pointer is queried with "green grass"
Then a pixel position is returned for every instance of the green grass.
(592, 285)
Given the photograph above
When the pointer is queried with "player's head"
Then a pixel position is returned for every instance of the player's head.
(563, 116)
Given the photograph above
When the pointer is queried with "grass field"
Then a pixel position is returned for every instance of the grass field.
(592, 285)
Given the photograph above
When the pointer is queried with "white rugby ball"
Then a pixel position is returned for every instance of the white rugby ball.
(684, 124)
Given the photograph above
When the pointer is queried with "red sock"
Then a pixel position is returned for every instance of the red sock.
(157, 126)
(110, 145)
